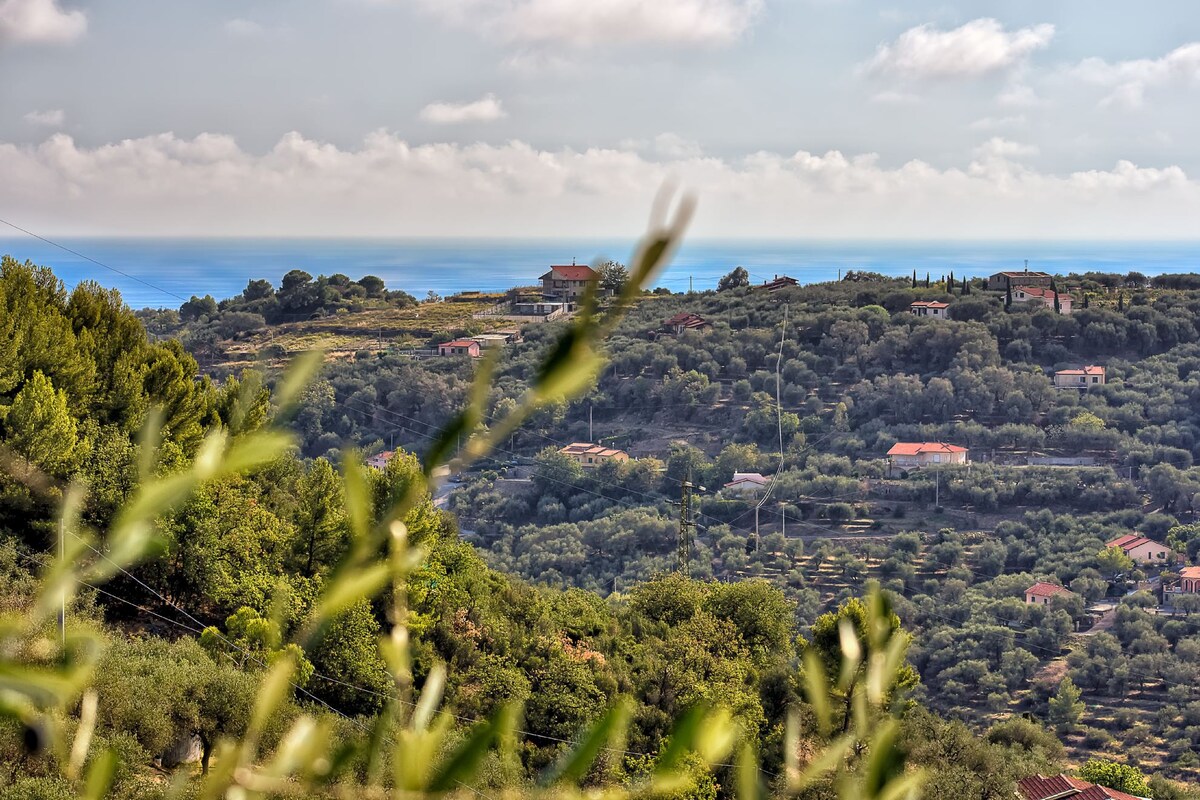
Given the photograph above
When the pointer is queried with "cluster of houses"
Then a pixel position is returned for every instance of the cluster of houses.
(1142, 551)
(1024, 286)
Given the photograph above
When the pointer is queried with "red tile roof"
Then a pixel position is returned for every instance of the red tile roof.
(1043, 589)
(1130, 541)
(686, 319)
(1089, 370)
(460, 343)
(1190, 572)
(1063, 786)
(1025, 274)
(916, 448)
(780, 282)
(929, 304)
(570, 272)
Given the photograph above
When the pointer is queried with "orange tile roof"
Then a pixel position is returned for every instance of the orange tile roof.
(460, 343)
(1037, 787)
(930, 304)
(1038, 291)
(1089, 370)
(1043, 589)
(916, 448)
(1130, 541)
(1190, 572)
(570, 272)
(589, 449)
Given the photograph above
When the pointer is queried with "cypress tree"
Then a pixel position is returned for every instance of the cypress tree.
(1120, 301)
(914, 279)
(1008, 297)
(926, 280)
(966, 286)
(1086, 298)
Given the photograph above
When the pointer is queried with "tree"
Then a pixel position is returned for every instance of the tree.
(1113, 561)
(612, 277)
(1120, 301)
(1122, 777)
(258, 290)
(1008, 297)
(372, 284)
(198, 307)
(1066, 709)
(433, 297)
(914, 279)
(736, 279)
(40, 427)
(926, 280)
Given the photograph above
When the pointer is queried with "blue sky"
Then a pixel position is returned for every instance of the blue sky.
(793, 118)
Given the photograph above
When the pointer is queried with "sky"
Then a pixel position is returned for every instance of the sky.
(794, 119)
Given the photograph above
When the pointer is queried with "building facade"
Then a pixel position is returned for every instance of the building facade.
(1046, 297)
(1142, 550)
(459, 347)
(921, 454)
(1041, 593)
(1002, 281)
(1081, 378)
(567, 282)
(929, 308)
(591, 455)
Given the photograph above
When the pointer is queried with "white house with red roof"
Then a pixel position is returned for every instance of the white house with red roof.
(1080, 378)
(929, 308)
(1041, 593)
(1064, 787)
(1043, 295)
(746, 483)
(459, 347)
(921, 454)
(1142, 550)
(568, 282)
(380, 460)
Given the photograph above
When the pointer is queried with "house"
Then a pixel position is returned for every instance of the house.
(490, 339)
(1189, 582)
(459, 347)
(380, 460)
(1036, 294)
(567, 282)
(920, 454)
(593, 455)
(780, 282)
(1081, 378)
(1041, 593)
(747, 483)
(685, 321)
(1064, 787)
(929, 308)
(1142, 550)
(1003, 281)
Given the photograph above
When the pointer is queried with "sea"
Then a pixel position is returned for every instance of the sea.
(163, 272)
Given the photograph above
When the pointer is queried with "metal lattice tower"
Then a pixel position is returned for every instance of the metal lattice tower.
(686, 523)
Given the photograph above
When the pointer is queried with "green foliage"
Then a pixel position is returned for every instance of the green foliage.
(1066, 709)
(1122, 777)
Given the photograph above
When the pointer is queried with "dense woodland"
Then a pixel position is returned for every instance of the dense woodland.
(560, 591)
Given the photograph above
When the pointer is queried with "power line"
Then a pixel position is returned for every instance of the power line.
(77, 254)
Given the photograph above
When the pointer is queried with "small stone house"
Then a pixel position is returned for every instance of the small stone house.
(1081, 378)
(1041, 593)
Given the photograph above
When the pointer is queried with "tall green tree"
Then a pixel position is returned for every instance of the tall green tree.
(1066, 709)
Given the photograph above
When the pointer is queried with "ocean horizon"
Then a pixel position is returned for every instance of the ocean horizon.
(162, 272)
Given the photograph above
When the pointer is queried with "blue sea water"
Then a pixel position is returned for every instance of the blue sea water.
(159, 271)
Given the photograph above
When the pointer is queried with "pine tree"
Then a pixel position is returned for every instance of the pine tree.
(1066, 709)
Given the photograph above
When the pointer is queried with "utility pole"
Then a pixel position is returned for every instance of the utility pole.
(690, 289)
(783, 518)
(62, 556)
(937, 487)
(590, 439)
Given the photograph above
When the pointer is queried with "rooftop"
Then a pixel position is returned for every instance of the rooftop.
(929, 304)
(589, 449)
(1130, 541)
(916, 448)
(570, 272)
(1038, 291)
(1089, 370)
(459, 343)
(1037, 787)
(1043, 589)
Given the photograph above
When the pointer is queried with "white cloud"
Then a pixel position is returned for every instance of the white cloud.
(992, 123)
(1019, 95)
(52, 118)
(976, 48)
(601, 22)
(39, 22)
(486, 109)
(1128, 81)
(672, 146)
(894, 98)
(209, 185)
(244, 27)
